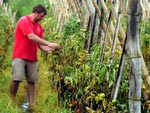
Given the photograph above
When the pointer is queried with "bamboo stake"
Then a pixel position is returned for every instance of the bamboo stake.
(115, 37)
(71, 6)
(93, 31)
(88, 21)
(55, 10)
(72, 2)
(59, 20)
(62, 15)
(91, 18)
(112, 27)
(121, 30)
(79, 10)
(66, 13)
(100, 26)
(145, 9)
(91, 8)
(106, 33)
(87, 35)
(107, 16)
(62, 21)
(123, 8)
(103, 24)
(135, 59)
(119, 73)
(88, 7)
(60, 5)
(86, 14)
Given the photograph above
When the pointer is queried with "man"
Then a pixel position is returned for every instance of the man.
(28, 37)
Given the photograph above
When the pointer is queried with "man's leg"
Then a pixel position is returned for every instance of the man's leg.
(31, 91)
(17, 76)
(31, 76)
(13, 89)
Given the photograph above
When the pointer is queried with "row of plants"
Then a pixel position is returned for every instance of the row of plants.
(83, 83)
(6, 33)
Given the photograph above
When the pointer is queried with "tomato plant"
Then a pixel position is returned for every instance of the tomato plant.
(85, 78)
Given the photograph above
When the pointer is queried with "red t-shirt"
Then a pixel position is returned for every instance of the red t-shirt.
(23, 47)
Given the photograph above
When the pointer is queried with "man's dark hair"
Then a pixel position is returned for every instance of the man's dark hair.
(39, 9)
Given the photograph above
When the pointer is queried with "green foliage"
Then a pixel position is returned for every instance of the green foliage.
(6, 106)
(49, 25)
(79, 75)
(83, 83)
(6, 33)
(70, 28)
(145, 41)
(46, 98)
(145, 33)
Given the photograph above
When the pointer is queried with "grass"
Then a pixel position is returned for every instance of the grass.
(46, 96)
(6, 106)
(45, 99)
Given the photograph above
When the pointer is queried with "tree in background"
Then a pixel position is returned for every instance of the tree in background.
(23, 7)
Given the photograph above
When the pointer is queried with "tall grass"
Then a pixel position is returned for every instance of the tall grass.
(46, 98)
(6, 106)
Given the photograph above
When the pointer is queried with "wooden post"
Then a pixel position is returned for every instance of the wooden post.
(135, 58)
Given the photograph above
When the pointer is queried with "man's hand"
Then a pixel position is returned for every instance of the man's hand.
(50, 48)
(53, 45)
(41, 41)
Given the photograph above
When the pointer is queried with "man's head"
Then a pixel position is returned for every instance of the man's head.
(39, 12)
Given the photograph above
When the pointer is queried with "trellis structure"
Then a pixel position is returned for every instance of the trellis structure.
(85, 11)
(85, 8)
(103, 20)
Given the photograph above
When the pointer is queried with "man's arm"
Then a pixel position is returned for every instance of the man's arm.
(40, 41)
(46, 48)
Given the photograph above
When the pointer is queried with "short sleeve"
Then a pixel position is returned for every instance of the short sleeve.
(25, 26)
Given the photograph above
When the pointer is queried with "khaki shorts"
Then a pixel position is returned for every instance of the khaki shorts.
(23, 68)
